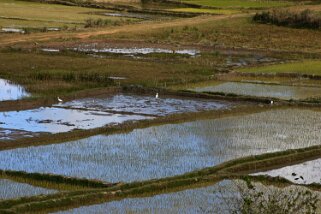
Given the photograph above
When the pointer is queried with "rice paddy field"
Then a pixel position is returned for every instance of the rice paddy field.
(263, 90)
(11, 189)
(190, 106)
(306, 173)
(222, 197)
(169, 150)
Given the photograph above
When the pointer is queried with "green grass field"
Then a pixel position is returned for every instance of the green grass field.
(33, 14)
(304, 67)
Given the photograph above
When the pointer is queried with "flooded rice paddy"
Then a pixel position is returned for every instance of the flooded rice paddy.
(305, 173)
(263, 90)
(11, 91)
(55, 120)
(96, 112)
(200, 200)
(224, 197)
(11, 189)
(147, 105)
(173, 149)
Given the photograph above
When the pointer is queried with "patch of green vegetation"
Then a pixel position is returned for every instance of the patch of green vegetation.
(238, 3)
(14, 13)
(53, 74)
(302, 19)
(303, 67)
(235, 32)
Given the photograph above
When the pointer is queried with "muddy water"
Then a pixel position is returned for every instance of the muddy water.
(11, 91)
(305, 173)
(173, 149)
(146, 104)
(55, 120)
(136, 51)
(10, 189)
(262, 90)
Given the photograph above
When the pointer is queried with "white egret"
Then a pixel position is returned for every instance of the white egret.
(156, 96)
(59, 100)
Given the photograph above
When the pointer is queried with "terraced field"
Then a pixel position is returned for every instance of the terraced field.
(190, 106)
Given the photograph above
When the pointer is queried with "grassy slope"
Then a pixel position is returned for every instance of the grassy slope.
(235, 32)
(304, 67)
(40, 15)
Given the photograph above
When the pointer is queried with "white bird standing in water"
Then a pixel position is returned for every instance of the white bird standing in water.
(59, 100)
(156, 96)
(272, 102)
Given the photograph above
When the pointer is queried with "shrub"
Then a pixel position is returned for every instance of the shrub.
(303, 19)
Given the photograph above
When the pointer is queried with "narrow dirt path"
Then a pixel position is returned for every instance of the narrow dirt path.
(13, 39)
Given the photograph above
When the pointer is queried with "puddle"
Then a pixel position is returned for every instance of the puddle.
(50, 50)
(136, 51)
(117, 78)
(12, 30)
(171, 149)
(262, 90)
(148, 105)
(305, 173)
(251, 60)
(223, 197)
(10, 189)
(11, 91)
(53, 29)
(128, 15)
(55, 120)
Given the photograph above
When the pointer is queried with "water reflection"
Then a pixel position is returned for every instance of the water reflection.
(172, 149)
(55, 120)
(10, 91)
(305, 173)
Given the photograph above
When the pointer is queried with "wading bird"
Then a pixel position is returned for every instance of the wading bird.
(59, 100)
(156, 96)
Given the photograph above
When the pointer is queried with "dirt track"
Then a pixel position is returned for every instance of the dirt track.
(11, 40)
